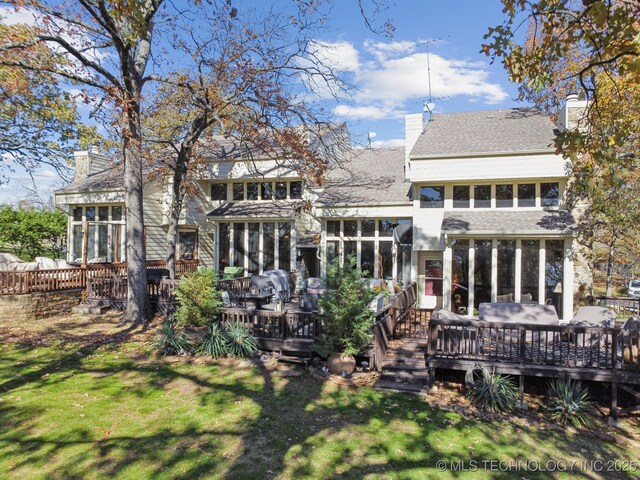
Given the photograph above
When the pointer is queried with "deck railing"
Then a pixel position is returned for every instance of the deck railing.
(266, 324)
(22, 282)
(239, 285)
(387, 322)
(623, 306)
(597, 352)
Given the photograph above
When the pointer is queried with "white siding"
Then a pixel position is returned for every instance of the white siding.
(488, 168)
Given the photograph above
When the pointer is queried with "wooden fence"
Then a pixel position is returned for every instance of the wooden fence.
(589, 353)
(22, 282)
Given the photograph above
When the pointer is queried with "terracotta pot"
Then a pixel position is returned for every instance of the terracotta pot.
(338, 362)
(630, 355)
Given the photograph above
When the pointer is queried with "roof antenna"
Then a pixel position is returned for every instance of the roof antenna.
(371, 136)
(429, 106)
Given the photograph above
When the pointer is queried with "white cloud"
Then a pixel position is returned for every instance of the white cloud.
(391, 74)
(394, 142)
(370, 112)
(401, 79)
(339, 56)
(383, 50)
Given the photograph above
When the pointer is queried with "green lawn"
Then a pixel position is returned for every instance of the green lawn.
(83, 410)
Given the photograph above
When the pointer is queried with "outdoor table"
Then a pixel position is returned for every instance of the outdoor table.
(257, 299)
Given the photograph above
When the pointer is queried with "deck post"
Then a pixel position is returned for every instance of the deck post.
(613, 414)
(522, 405)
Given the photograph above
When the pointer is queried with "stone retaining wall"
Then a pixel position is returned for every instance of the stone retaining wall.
(37, 305)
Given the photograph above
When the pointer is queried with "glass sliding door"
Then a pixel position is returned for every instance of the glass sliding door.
(284, 246)
(482, 272)
(254, 248)
(554, 273)
(529, 273)
(238, 245)
(386, 249)
(460, 275)
(506, 270)
(268, 245)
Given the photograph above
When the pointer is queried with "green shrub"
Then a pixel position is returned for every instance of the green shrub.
(347, 319)
(492, 391)
(214, 342)
(568, 402)
(199, 299)
(240, 343)
(171, 340)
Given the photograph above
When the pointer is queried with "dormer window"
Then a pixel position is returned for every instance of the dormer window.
(295, 190)
(252, 191)
(526, 195)
(482, 196)
(550, 194)
(219, 191)
(504, 195)
(267, 191)
(281, 190)
(432, 197)
(238, 192)
(461, 198)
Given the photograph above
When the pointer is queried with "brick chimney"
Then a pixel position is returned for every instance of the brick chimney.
(573, 114)
(89, 162)
(413, 127)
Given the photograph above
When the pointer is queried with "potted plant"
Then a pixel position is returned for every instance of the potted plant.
(347, 322)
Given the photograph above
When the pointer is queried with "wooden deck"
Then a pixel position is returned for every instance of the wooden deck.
(589, 353)
(23, 282)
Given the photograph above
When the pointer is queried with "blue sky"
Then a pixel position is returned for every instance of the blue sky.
(391, 73)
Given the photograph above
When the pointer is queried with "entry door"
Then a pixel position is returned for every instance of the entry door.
(430, 275)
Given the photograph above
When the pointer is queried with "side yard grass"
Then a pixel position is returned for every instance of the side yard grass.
(100, 406)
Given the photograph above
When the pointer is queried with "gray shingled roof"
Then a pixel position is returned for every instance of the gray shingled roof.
(275, 208)
(499, 221)
(485, 132)
(368, 177)
(110, 179)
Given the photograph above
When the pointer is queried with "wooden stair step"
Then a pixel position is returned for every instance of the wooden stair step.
(405, 376)
(409, 367)
(401, 387)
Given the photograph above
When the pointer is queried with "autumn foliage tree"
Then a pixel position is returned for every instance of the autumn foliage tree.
(119, 52)
(39, 121)
(244, 88)
(553, 48)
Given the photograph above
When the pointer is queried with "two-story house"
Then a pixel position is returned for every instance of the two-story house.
(472, 208)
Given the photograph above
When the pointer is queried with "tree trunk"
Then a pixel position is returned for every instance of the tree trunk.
(177, 196)
(137, 295)
(609, 269)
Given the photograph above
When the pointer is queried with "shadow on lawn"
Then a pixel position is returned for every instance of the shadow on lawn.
(300, 429)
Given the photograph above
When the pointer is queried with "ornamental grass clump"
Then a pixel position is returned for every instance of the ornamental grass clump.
(199, 298)
(492, 391)
(347, 319)
(214, 342)
(240, 343)
(568, 402)
(171, 340)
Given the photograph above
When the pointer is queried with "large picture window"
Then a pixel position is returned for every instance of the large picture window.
(497, 275)
(370, 241)
(97, 234)
(256, 246)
